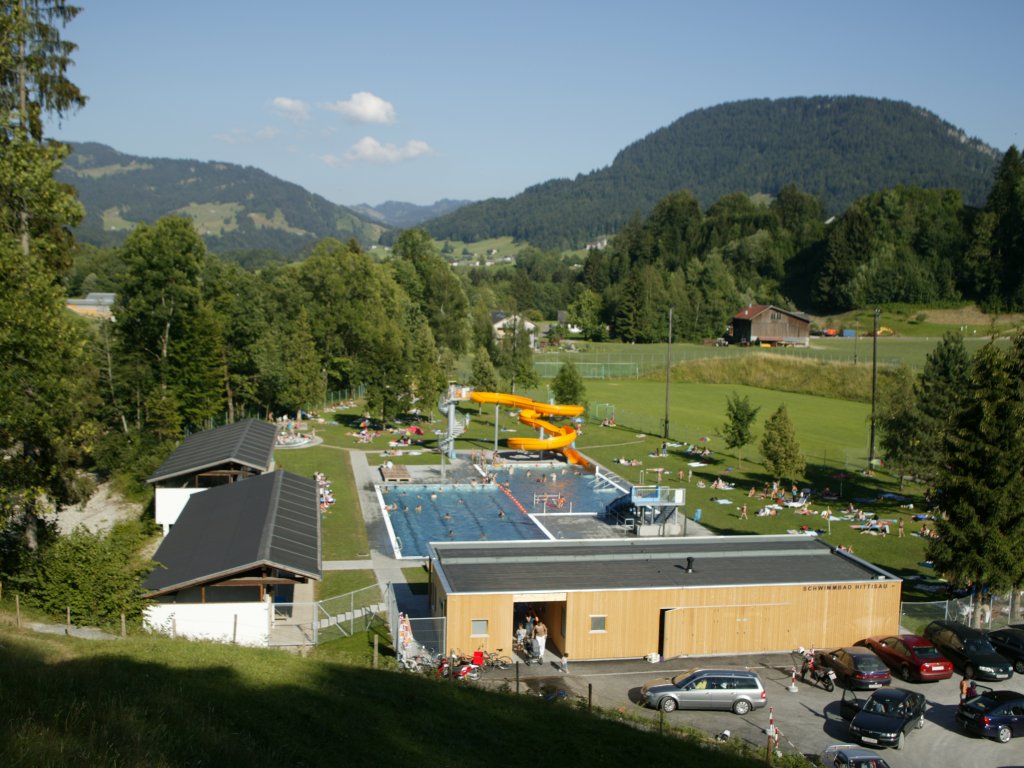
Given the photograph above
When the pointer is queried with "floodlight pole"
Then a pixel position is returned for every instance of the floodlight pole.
(874, 387)
(668, 368)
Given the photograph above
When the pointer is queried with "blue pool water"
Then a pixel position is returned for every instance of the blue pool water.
(420, 514)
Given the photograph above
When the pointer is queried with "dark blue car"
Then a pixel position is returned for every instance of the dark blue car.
(995, 715)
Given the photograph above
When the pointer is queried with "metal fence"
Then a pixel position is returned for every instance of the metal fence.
(307, 624)
(413, 636)
(995, 612)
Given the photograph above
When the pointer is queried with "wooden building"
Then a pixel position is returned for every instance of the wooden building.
(628, 598)
(766, 324)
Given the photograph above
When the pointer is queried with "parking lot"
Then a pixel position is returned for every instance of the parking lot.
(808, 719)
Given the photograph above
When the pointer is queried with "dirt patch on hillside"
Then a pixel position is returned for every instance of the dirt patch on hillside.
(100, 512)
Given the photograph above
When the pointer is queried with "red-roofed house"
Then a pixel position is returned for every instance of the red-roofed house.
(767, 324)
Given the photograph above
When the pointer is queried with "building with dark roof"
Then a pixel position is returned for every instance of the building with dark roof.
(767, 324)
(628, 598)
(234, 551)
(210, 458)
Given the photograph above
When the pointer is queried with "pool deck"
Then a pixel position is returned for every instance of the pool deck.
(388, 569)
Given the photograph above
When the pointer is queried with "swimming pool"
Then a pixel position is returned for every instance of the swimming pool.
(509, 509)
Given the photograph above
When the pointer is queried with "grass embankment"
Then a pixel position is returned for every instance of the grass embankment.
(158, 702)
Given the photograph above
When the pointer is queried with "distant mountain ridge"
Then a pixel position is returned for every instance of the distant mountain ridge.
(405, 215)
(837, 148)
(235, 208)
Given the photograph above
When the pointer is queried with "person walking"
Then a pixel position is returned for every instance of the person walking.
(564, 665)
(540, 633)
(743, 512)
(900, 529)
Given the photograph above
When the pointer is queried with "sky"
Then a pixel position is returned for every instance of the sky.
(418, 101)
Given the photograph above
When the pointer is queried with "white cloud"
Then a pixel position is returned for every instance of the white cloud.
(371, 150)
(364, 107)
(267, 132)
(293, 109)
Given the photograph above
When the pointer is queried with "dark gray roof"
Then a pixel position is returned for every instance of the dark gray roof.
(271, 519)
(249, 443)
(546, 566)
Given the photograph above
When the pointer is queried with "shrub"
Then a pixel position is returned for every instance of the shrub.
(97, 576)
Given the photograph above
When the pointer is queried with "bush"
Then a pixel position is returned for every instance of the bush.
(97, 576)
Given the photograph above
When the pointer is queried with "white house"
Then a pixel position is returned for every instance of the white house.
(502, 324)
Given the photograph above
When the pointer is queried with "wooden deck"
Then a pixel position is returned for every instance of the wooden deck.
(396, 473)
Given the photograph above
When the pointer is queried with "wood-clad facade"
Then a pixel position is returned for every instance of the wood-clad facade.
(627, 599)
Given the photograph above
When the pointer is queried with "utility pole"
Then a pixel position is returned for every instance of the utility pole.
(874, 387)
(668, 368)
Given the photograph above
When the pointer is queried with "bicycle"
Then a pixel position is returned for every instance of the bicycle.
(494, 660)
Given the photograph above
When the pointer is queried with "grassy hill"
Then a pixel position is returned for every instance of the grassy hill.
(835, 148)
(151, 701)
(235, 208)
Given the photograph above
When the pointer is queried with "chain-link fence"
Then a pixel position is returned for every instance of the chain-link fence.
(995, 612)
(298, 624)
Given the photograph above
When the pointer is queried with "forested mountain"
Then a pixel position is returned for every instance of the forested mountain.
(405, 215)
(835, 148)
(235, 208)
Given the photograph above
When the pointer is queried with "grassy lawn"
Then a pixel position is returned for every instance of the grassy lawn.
(337, 583)
(342, 528)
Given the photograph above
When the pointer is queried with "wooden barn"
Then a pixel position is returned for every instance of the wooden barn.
(767, 324)
(628, 598)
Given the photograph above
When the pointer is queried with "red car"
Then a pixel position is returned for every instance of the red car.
(912, 657)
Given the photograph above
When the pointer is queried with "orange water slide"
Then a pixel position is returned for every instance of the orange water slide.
(529, 414)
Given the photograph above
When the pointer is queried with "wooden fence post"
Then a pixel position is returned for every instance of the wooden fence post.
(234, 632)
(67, 626)
(124, 626)
(17, 608)
(376, 639)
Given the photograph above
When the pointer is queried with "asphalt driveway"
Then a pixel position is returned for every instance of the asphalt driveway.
(808, 719)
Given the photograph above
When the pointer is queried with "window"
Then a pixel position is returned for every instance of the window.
(597, 624)
(479, 628)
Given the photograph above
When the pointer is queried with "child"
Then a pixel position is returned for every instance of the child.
(564, 666)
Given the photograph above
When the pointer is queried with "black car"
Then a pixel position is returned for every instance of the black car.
(885, 717)
(855, 667)
(969, 649)
(1009, 641)
(995, 715)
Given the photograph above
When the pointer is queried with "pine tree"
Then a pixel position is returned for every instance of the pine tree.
(779, 448)
(982, 481)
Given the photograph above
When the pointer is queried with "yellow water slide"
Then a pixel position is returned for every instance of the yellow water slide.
(529, 414)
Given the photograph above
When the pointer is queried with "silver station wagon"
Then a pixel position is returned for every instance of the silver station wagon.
(737, 690)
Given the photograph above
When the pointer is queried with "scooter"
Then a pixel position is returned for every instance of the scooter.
(459, 671)
(826, 677)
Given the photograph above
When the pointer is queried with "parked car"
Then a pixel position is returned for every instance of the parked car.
(969, 649)
(911, 657)
(885, 717)
(738, 690)
(855, 667)
(851, 756)
(995, 715)
(1009, 642)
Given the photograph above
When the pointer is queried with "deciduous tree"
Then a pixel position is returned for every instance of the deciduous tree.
(740, 415)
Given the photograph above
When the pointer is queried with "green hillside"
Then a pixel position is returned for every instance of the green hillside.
(834, 148)
(234, 208)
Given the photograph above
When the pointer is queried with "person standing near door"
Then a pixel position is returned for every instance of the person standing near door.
(540, 631)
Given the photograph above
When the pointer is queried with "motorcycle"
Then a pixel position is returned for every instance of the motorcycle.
(459, 671)
(825, 677)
